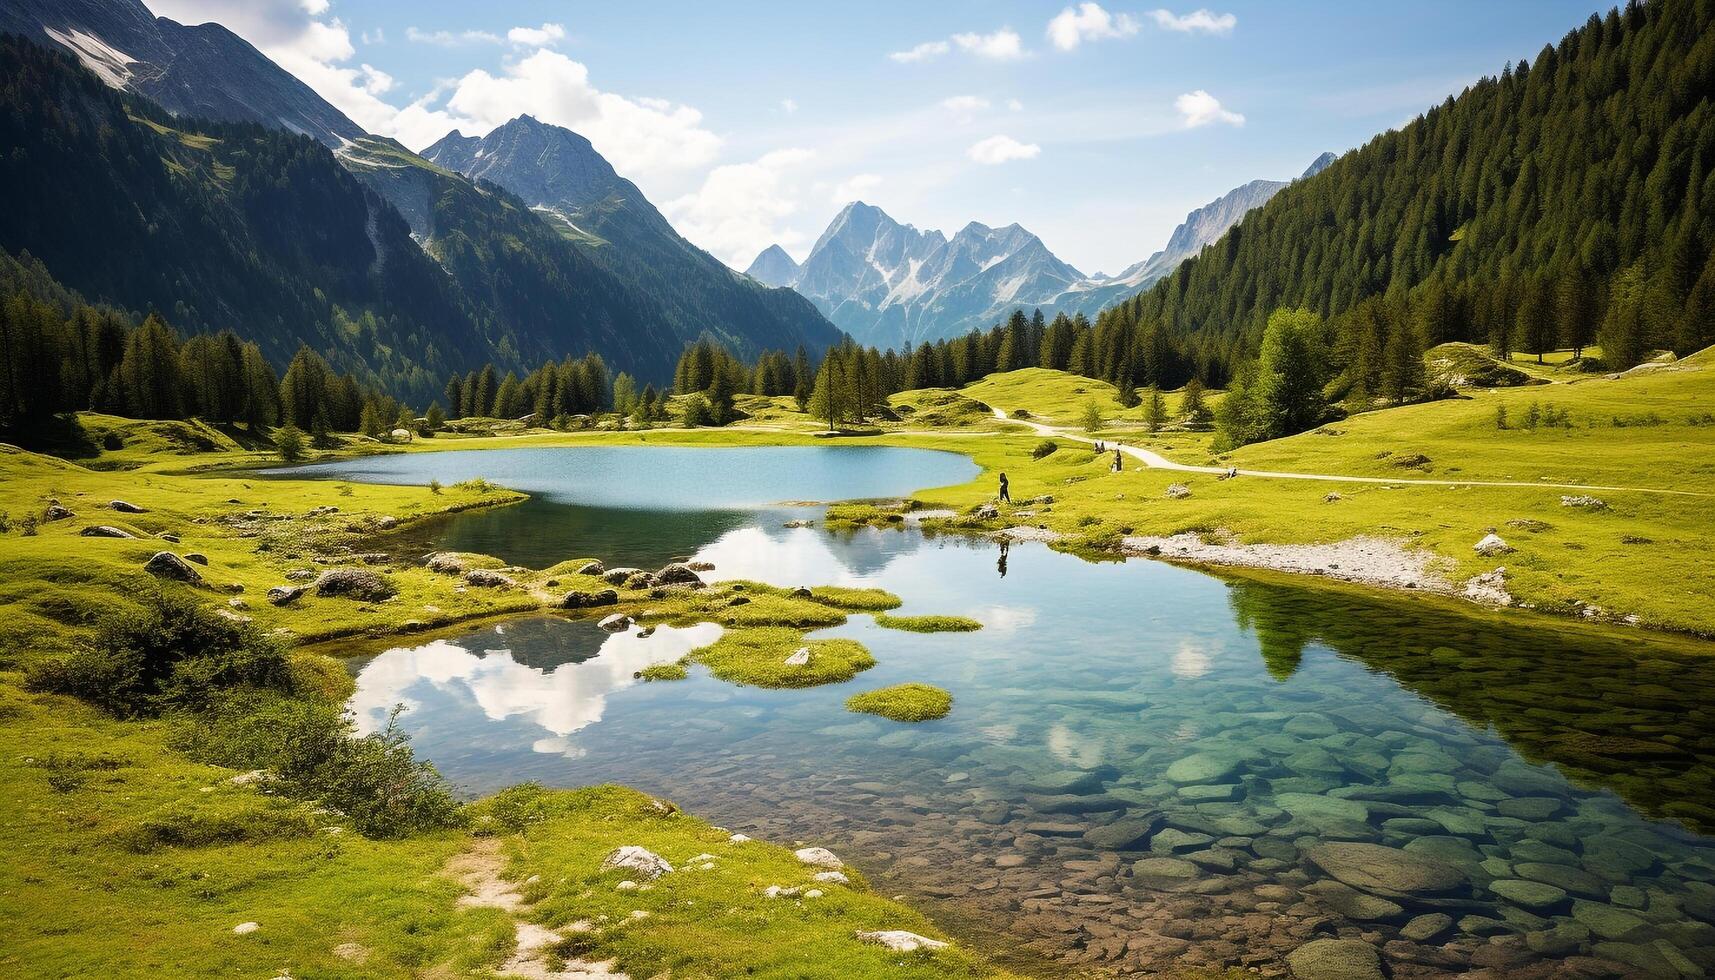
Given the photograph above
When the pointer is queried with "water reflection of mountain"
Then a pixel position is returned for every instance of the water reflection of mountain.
(1632, 714)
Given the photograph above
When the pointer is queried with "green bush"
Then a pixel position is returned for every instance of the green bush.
(173, 653)
(311, 747)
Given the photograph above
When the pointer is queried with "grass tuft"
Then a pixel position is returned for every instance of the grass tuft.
(903, 702)
(928, 624)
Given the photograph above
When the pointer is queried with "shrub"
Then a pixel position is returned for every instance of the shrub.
(172, 653)
(1500, 416)
(434, 486)
(697, 412)
(312, 748)
(1044, 449)
(289, 443)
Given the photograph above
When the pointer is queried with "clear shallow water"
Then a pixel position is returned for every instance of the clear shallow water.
(644, 505)
(1146, 766)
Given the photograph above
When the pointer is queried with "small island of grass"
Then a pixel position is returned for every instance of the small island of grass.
(903, 702)
(928, 624)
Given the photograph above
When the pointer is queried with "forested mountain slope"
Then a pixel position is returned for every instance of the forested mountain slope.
(606, 217)
(1570, 196)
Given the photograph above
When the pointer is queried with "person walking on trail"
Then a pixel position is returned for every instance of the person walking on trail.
(1005, 497)
(1118, 466)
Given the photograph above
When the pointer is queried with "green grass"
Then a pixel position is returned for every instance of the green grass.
(1058, 398)
(757, 657)
(903, 702)
(708, 917)
(928, 624)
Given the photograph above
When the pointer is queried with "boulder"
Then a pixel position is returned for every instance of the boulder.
(125, 507)
(1335, 959)
(1204, 767)
(700, 566)
(484, 578)
(1386, 871)
(802, 592)
(636, 859)
(678, 574)
(1178, 491)
(587, 600)
(1163, 867)
(1124, 834)
(592, 568)
(354, 583)
(168, 537)
(832, 877)
(1331, 497)
(445, 563)
(617, 576)
(197, 557)
(640, 580)
(799, 657)
(1583, 500)
(105, 531)
(56, 513)
(281, 595)
(615, 623)
(1533, 895)
(238, 603)
(987, 512)
(386, 523)
(1492, 545)
(820, 857)
(1425, 927)
(900, 941)
(165, 564)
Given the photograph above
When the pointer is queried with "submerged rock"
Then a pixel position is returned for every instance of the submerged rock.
(165, 564)
(641, 860)
(615, 623)
(1386, 870)
(1335, 959)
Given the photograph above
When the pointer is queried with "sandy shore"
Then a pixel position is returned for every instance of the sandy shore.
(1366, 560)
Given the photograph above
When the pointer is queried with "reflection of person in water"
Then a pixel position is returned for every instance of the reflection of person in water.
(1005, 495)
(1001, 564)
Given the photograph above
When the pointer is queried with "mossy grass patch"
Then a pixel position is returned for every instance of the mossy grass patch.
(758, 656)
(904, 702)
(928, 624)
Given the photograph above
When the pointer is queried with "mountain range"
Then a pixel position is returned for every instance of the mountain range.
(574, 259)
(891, 285)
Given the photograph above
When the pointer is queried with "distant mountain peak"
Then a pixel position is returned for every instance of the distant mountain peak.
(1318, 165)
(773, 267)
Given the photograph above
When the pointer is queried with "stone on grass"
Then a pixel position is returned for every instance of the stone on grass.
(586, 600)
(386, 522)
(55, 512)
(281, 595)
(1583, 500)
(1492, 545)
(799, 658)
(678, 574)
(245, 928)
(1335, 959)
(592, 568)
(168, 537)
(900, 941)
(484, 578)
(617, 576)
(105, 531)
(833, 877)
(1178, 491)
(126, 507)
(738, 839)
(615, 623)
(165, 564)
(445, 563)
(196, 556)
(360, 584)
(639, 859)
(801, 592)
(820, 857)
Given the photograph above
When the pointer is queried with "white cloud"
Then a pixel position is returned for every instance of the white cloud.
(1205, 20)
(1015, 105)
(965, 103)
(536, 37)
(638, 135)
(922, 52)
(379, 37)
(739, 209)
(450, 39)
(854, 188)
(375, 81)
(788, 106)
(1002, 45)
(1000, 149)
(1199, 108)
(1088, 22)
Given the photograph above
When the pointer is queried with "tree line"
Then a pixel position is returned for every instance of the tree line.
(1569, 199)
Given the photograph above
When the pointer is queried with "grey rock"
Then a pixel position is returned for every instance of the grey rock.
(197, 557)
(360, 584)
(1386, 871)
(165, 564)
(281, 595)
(57, 513)
(1335, 959)
(617, 576)
(126, 507)
(1425, 927)
(485, 578)
(105, 531)
(678, 574)
(587, 600)
(592, 568)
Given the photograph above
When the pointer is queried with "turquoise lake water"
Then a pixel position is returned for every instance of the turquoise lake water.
(1146, 767)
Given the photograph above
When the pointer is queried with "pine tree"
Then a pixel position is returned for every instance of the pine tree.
(1155, 409)
(289, 443)
(1192, 405)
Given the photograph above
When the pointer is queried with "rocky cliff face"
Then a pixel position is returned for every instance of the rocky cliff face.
(773, 267)
(203, 70)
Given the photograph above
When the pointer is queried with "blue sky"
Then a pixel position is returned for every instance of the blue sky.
(1095, 126)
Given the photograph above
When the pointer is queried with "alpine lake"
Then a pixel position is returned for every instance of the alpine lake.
(1146, 768)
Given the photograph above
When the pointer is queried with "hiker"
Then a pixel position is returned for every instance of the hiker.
(1005, 497)
(1118, 466)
